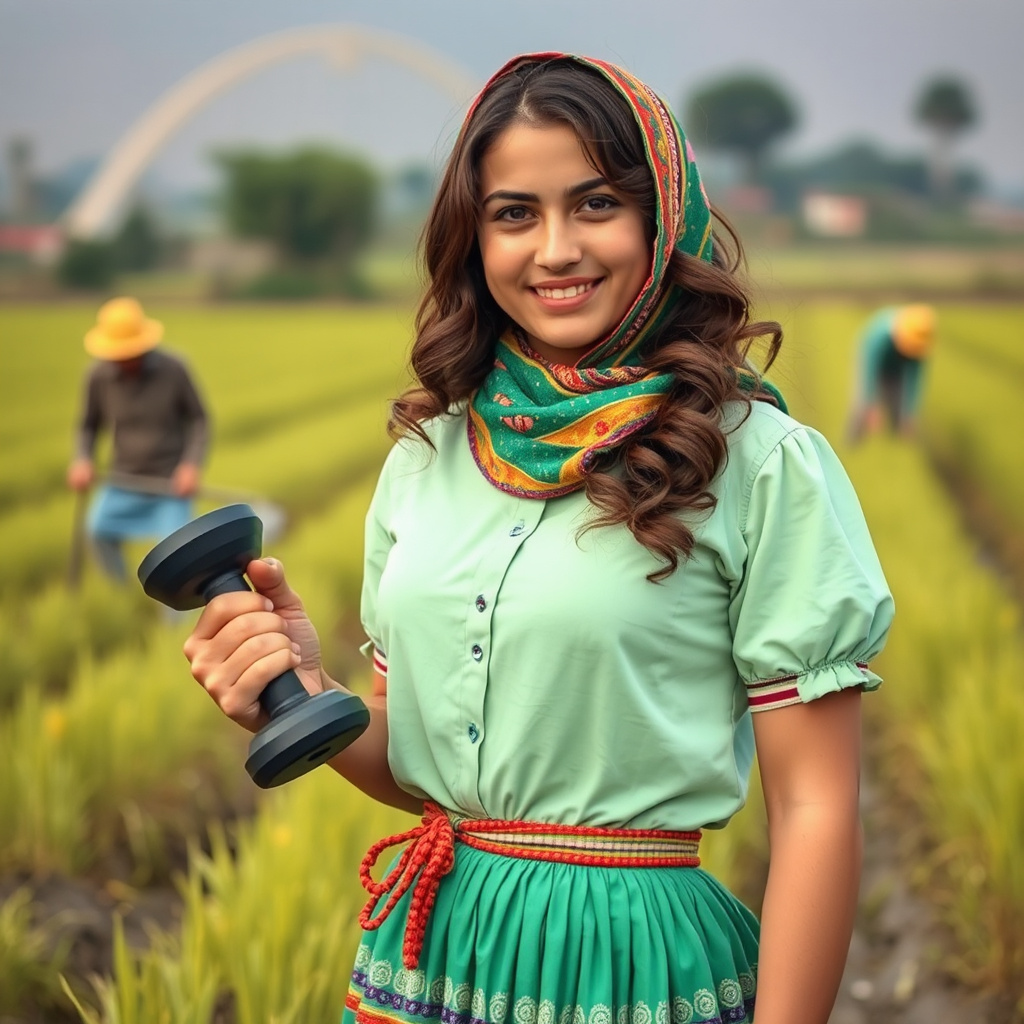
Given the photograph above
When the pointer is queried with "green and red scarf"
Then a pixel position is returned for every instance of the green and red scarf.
(534, 426)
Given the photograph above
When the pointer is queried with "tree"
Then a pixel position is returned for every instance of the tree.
(946, 107)
(137, 244)
(86, 265)
(314, 205)
(743, 114)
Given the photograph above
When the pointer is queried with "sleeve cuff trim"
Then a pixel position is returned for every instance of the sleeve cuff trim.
(782, 691)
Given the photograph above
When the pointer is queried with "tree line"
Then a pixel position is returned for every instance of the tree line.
(319, 208)
(746, 115)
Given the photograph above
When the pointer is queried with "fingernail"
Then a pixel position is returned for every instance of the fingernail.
(296, 649)
(272, 562)
(268, 604)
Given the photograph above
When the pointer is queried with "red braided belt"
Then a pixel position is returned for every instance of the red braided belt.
(431, 854)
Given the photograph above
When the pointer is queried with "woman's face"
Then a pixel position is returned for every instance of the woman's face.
(565, 254)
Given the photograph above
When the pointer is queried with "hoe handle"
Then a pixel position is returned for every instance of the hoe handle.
(284, 690)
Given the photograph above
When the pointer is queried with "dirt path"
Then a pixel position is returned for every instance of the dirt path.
(892, 974)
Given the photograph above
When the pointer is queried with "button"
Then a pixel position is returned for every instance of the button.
(473, 732)
(517, 529)
(481, 604)
(477, 651)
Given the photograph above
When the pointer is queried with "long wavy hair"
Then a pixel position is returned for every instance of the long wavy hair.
(659, 474)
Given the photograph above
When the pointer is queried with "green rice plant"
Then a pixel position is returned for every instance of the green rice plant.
(132, 733)
(323, 558)
(43, 800)
(35, 543)
(951, 708)
(42, 351)
(840, 270)
(291, 378)
(993, 334)
(245, 358)
(41, 638)
(305, 464)
(974, 421)
(34, 468)
(164, 986)
(956, 658)
(30, 956)
(299, 467)
(126, 731)
(269, 918)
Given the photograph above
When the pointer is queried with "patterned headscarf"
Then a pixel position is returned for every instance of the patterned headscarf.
(535, 426)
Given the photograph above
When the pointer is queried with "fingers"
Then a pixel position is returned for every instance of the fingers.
(243, 640)
(223, 609)
(237, 682)
(236, 662)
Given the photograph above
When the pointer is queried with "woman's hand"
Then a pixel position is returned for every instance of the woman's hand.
(244, 640)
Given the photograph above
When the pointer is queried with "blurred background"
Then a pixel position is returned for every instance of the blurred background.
(256, 174)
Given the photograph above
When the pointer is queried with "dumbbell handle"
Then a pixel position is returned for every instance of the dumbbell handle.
(284, 690)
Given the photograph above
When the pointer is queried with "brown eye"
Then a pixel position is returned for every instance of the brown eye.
(598, 204)
(513, 213)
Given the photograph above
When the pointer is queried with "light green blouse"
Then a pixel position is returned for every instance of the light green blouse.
(535, 673)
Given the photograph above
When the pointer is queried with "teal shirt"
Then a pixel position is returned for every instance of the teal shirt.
(534, 672)
(879, 359)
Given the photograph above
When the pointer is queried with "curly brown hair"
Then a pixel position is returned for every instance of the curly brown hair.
(667, 468)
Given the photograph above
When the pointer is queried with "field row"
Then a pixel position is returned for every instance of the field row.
(260, 371)
(133, 749)
(951, 708)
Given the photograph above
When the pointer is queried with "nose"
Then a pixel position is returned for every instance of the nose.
(559, 247)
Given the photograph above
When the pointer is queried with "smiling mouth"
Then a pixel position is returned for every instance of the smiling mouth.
(571, 291)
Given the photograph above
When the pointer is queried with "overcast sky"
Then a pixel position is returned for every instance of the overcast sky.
(75, 74)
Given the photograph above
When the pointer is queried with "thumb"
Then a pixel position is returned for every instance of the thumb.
(267, 577)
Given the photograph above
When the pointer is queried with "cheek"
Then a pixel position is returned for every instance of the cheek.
(639, 266)
(499, 265)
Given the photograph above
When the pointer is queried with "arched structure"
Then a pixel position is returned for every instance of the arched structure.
(95, 206)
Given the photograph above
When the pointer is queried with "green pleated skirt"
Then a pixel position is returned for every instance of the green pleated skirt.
(514, 941)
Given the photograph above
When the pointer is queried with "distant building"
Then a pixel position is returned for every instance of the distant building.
(834, 216)
(1000, 217)
(37, 243)
(748, 199)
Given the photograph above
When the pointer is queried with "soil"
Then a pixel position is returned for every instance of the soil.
(894, 972)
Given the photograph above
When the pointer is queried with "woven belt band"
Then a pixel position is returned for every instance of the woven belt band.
(431, 854)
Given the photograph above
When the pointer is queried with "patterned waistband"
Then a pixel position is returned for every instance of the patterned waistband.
(579, 844)
(431, 854)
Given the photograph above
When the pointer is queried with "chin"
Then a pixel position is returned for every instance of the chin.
(569, 343)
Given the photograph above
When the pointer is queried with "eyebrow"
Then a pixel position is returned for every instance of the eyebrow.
(532, 197)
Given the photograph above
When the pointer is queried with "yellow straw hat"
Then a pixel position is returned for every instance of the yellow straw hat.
(913, 331)
(122, 331)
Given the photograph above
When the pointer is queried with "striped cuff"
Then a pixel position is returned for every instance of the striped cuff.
(780, 692)
(380, 661)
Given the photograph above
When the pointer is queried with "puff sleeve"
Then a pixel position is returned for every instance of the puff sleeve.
(812, 607)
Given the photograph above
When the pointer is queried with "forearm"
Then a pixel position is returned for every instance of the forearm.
(196, 440)
(365, 762)
(808, 912)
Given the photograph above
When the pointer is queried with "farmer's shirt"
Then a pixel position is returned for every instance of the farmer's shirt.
(156, 415)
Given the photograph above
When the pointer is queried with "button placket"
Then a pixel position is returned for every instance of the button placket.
(480, 607)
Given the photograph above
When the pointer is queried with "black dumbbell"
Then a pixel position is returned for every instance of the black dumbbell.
(208, 557)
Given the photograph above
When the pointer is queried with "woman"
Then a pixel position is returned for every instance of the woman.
(598, 546)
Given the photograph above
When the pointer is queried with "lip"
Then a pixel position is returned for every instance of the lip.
(566, 305)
